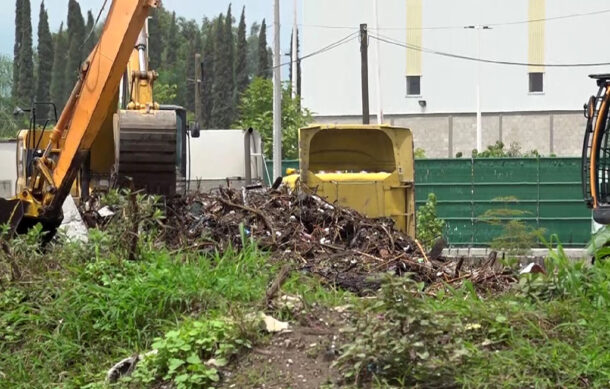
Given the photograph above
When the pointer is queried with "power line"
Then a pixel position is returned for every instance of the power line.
(97, 19)
(340, 42)
(459, 27)
(497, 62)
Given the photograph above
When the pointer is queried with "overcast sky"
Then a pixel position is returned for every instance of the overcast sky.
(256, 10)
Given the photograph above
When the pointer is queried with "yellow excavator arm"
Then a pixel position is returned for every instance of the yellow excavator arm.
(81, 120)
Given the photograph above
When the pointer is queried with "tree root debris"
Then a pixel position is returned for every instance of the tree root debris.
(340, 245)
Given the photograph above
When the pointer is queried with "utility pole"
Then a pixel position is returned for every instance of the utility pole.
(277, 94)
(294, 58)
(364, 62)
(478, 28)
(198, 107)
(378, 68)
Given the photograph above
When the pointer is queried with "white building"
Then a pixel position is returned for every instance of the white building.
(538, 107)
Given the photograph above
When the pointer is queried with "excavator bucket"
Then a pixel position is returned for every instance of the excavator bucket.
(11, 213)
(146, 149)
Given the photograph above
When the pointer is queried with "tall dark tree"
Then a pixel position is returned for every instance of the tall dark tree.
(298, 64)
(58, 79)
(155, 39)
(17, 46)
(192, 45)
(229, 42)
(45, 62)
(26, 89)
(76, 38)
(264, 68)
(171, 43)
(241, 53)
(207, 76)
(90, 35)
(252, 54)
(221, 95)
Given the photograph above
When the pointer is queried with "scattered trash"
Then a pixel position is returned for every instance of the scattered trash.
(273, 325)
(105, 212)
(532, 268)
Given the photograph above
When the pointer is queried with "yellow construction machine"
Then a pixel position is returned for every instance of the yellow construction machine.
(368, 168)
(93, 140)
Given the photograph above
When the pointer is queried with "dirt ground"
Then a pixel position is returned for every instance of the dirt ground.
(300, 358)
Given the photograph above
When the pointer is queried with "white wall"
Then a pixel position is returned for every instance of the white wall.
(219, 154)
(8, 170)
(331, 81)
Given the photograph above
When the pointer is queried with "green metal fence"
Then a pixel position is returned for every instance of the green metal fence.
(543, 192)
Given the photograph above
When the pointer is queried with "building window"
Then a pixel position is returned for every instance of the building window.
(536, 84)
(413, 85)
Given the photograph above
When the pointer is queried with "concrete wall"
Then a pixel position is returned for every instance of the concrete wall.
(331, 80)
(8, 170)
(444, 135)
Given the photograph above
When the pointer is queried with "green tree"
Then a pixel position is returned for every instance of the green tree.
(298, 92)
(252, 51)
(45, 62)
(58, 79)
(171, 43)
(76, 38)
(17, 46)
(256, 111)
(91, 36)
(192, 45)
(156, 38)
(9, 125)
(264, 68)
(241, 52)
(207, 77)
(25, 87)
(222, 93)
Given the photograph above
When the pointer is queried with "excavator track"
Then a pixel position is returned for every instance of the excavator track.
(145, 151)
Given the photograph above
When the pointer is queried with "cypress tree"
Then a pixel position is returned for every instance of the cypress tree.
(241, 71)
(155, 39)
(26, 90)
(90, 34)
(221, 95)
(192, 45)
(60, 55)
(264, 70)
(298, 65)
(171, 43)
(17, 46)
(229, 42)
(207, 77)
(76, 38)
(252, 54)
(45, 62)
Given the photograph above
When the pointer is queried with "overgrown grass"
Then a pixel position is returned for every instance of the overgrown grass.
(67, 324)
(549, 331)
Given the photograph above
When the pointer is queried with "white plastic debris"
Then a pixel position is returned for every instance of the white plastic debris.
(274, 325)
(73, 223)
(105, 212)
(532, 268)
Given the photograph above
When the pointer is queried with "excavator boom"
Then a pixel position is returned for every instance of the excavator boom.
(81, 120)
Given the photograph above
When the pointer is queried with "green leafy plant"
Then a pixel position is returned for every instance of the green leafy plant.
(516, 238)
(429, 226)
(189, 356)
(256, 111)
(497, 150)
(400, 339)
(420, 153)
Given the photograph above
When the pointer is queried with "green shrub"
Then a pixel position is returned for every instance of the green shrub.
(429, 226)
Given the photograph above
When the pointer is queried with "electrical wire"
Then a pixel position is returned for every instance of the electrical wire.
(97, 19)
(484, 60)
(340, 42)
(459, 27)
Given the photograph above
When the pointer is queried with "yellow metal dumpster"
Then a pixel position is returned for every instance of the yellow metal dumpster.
(365, 167)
